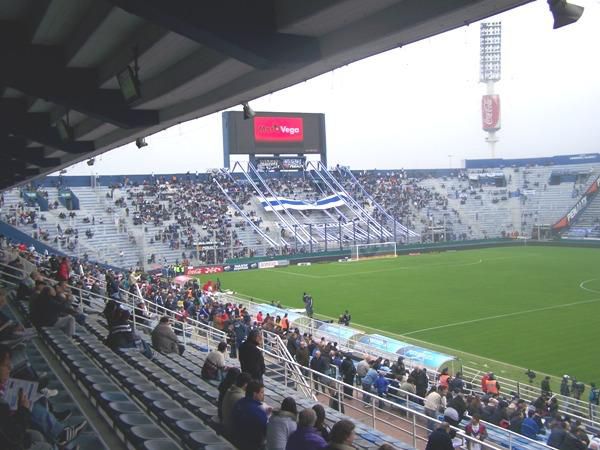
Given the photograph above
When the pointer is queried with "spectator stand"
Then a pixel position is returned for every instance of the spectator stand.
(358, 343)
(504, 437)
(580, 410)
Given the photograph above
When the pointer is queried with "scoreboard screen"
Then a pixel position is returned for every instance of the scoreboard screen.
(273, 133)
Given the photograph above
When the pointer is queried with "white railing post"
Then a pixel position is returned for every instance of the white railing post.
(373, 418)
(414, 430)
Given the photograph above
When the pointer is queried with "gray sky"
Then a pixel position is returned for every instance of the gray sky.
(414, 106)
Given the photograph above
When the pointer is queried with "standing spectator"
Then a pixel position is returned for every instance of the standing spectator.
(545, 386)
(306, 437)
(348, 372)
(63, 270)
(484, 380)
(457, 383)
(435, 403)
(367, 384)
(421, 381)
(302, 354)
(476, 430)
(164, 339)
(492, 385)
(251, 358)
(594, 396)
(564, 386)
(361, 369)
(319, 364)
(282, 424)
(398, 368)
(250, 418)
(381, 386)
(440, 438)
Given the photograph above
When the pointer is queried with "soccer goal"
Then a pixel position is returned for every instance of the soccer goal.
(373, 250)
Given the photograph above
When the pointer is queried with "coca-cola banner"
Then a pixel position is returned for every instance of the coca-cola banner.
(490, 112)
(204, 270)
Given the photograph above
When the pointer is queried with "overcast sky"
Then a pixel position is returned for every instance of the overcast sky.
(413, 107)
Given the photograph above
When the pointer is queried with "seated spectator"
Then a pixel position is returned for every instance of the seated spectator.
(306, 436)
(282, 424)
(342, 436)
(16, 429)
(250, 418)
(231, 397)
(214, 364)
(120, 334)
(530, 427)
(320, 424)
(224, 386)
(164, 339)
(47, 311)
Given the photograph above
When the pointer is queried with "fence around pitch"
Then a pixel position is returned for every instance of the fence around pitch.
(583, 412)
(399, 412)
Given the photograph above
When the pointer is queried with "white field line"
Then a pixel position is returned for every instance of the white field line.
(426, 344)
(583, 283)
(367, 272)
(501, 316)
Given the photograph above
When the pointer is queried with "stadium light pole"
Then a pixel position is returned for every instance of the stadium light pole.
(490, 65)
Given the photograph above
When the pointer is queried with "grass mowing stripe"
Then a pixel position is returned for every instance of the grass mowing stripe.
(501, 316)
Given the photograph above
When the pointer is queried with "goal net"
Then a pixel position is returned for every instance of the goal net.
(374, 250)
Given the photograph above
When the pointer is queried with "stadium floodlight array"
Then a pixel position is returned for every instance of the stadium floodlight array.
(373, 250)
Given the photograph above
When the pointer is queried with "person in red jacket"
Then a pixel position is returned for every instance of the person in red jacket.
(63, 270)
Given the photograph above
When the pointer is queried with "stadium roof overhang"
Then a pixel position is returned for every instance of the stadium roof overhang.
(60, 101)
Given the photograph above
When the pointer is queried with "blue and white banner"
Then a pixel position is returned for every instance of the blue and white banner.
(281, 203)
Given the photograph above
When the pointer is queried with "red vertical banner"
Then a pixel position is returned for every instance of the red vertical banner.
(490, 112)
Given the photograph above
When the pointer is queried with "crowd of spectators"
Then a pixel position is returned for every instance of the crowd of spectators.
(54, 303)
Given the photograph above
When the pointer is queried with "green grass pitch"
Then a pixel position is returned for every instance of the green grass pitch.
(532, 307)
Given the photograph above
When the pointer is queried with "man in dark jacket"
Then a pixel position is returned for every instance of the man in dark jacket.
(440, 439)
(251, 358)
(348, 372)
(319, 364)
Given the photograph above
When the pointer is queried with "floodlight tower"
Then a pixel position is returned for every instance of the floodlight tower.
(490, 38)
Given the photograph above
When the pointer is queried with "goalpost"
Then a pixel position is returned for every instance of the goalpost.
(373, 250)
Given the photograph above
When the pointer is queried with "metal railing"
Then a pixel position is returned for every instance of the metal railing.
(291, 371)
(582, 410)
(400, 412)
(191, 329)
